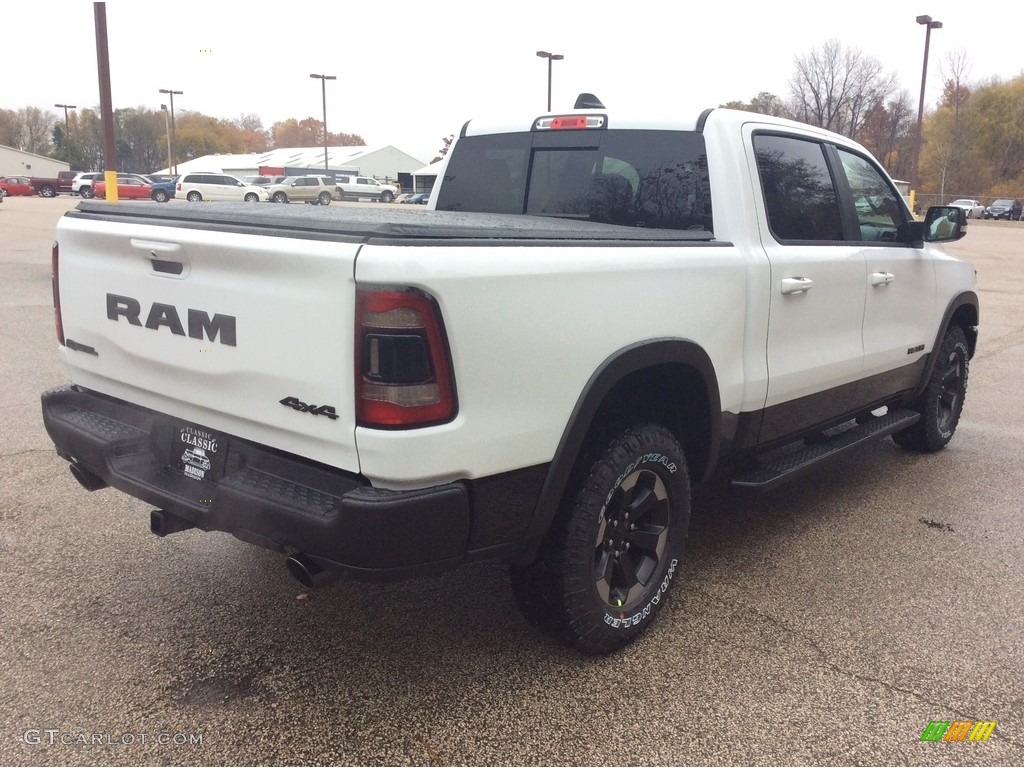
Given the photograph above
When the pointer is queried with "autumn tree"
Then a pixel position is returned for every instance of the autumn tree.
(997, 123)
(888, 133)
(87, 140)
(310, 133)
(949, 155)
(197, 135)
(255, 138)
(140, 138)
(765, 103)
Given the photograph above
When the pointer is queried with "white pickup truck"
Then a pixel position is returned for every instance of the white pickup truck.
(596, 311)
(363, 187)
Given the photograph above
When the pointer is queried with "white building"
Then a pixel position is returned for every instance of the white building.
(15, 162)
(383, 163)
(423, 179)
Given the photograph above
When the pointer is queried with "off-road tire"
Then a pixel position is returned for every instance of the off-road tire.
(592, 587)
(942, 401)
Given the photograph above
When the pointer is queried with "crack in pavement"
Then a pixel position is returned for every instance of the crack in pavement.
(832, 665)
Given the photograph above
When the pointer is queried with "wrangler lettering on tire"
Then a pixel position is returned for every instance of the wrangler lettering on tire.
(612, 553)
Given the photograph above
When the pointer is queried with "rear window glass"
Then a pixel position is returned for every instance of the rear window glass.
(638, 178)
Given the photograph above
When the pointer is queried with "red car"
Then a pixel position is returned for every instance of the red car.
(17, 185)
(127, 189)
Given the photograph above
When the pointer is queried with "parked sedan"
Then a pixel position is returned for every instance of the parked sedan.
(972, 208)
(127, 189)
(420, 198)
(1004, 208)
(17, 185)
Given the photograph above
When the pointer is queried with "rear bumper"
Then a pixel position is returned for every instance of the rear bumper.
(265, 497)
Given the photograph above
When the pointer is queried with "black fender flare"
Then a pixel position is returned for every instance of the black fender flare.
(613, 370)
(957, 303)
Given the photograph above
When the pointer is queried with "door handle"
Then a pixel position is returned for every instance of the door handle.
(795, 285)
(882, 278)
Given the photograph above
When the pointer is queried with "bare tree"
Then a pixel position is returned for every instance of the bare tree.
(950, 136)
(835, 88)
(10, 128)
(36, 129)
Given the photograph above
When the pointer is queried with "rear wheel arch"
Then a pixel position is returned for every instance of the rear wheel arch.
(671, 382)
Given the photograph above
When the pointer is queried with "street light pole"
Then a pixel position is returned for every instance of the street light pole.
(323, 87)
(550, 57)
(167, 130)
(67, 128)
(929, 25)
(172, 94)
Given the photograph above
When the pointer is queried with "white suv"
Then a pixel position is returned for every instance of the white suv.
(196, 187)
(82, 183)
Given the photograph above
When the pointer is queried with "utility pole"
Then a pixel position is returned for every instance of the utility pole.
(67, 128)
(323, 87)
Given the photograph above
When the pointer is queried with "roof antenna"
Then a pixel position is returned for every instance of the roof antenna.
(588, 101)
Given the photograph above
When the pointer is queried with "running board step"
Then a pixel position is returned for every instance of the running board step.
(768, 474)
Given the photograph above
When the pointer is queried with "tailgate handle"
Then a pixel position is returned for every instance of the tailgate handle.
(168, 267)
(161, 255)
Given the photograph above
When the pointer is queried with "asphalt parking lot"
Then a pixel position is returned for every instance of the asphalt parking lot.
(826, 623)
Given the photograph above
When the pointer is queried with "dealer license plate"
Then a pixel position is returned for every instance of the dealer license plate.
(199, 453)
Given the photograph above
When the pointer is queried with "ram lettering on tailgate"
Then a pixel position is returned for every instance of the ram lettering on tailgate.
(200, 323)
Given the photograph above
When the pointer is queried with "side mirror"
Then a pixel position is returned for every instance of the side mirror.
(944, 224)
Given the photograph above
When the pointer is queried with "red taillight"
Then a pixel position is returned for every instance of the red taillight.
(403, 371)
(568, 123)
(55, 283)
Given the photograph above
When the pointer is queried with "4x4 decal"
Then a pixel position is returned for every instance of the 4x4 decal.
(316, 410)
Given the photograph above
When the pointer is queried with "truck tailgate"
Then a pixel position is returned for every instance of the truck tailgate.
(216, 328)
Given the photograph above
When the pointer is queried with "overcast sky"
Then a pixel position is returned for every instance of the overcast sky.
(411, 72)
